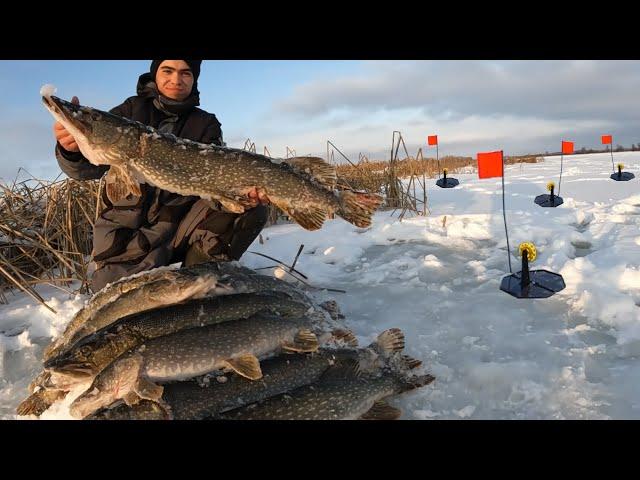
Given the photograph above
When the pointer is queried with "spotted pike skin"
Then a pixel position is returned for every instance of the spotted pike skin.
(194, 352)
(190, 401)
(344, 398)
(147, 297)
(240, 279)
(99, 350)
(224, 173)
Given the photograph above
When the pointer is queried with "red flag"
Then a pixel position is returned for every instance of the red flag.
(490, 164)
(606, 139)
(567, 147)
(432, 139)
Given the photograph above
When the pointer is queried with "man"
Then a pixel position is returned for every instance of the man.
(159, 227)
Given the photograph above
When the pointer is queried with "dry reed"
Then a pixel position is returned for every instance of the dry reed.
(45, 233)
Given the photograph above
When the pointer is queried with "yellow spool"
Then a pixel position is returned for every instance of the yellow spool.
(531, 250)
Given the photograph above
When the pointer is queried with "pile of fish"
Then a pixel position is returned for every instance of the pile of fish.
(218, 341)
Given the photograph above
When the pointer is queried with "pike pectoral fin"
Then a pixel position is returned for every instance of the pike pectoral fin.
(115, 190)
(147, 390)
(119, 184)
(381, 410)
(246, 365)
(304, 341)
(308, 217)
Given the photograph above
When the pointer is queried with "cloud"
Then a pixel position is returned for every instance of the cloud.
(556, 89)
(520, 106)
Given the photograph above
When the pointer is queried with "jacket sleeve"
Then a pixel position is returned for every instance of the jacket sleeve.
(213, 132)
(75, 165)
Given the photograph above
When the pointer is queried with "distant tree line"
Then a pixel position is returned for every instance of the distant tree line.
(605, 149)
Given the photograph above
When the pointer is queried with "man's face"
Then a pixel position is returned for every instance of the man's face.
(174, 79)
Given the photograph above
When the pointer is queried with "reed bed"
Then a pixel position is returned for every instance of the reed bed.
(45, 234)
(374, 176)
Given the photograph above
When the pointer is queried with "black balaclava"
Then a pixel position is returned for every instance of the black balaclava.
(173, 109)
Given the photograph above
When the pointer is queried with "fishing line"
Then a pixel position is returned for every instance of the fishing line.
(504, 214)
(560, 182)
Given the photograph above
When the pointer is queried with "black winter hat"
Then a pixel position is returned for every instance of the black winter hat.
(193, 64)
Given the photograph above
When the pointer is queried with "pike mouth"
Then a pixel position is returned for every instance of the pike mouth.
(75, 369)
(54, 104)
(66, 112)
(56, 362)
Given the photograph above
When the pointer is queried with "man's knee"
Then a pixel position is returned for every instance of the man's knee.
(246, 229)
(255, 217)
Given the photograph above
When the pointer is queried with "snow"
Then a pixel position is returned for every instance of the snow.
(571, 356)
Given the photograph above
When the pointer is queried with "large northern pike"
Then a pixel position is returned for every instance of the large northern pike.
(343, 395)
(91, 355)
(303, 187)
(344, 392)
(191, 401)
(237, 346)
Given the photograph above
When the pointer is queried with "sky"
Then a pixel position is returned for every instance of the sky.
(521, 107)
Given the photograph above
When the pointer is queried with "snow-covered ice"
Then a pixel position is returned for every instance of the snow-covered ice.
(572, 356)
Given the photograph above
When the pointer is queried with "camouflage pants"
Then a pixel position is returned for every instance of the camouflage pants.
(206, 232)
(218, 234)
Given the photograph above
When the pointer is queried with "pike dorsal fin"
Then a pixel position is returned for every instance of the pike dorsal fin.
(316, 168)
